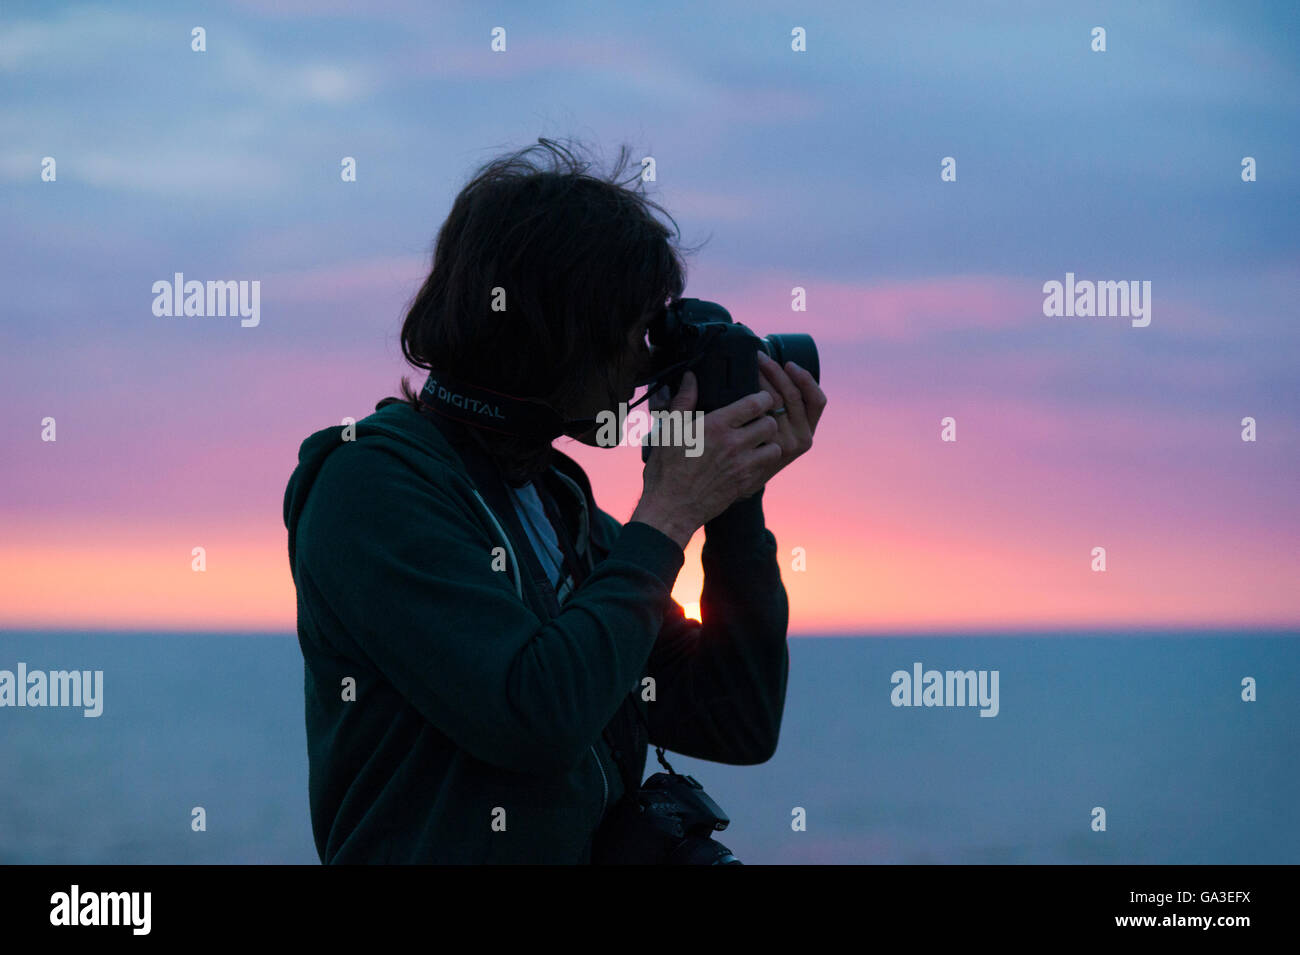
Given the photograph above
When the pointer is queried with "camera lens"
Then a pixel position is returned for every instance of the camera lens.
(798, 348)
(697, 850)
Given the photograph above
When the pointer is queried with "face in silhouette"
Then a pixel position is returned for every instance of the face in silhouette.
(618, 381)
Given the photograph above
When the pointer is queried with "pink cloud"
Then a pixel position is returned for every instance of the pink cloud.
(899, 311)
(923, 309)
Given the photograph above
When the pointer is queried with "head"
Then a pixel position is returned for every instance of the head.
(544, 278)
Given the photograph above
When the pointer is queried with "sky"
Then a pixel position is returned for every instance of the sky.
(818, 169)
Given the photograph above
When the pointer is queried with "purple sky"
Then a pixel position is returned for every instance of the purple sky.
(818, 169)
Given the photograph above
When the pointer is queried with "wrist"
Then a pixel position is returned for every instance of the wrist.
(671, 525)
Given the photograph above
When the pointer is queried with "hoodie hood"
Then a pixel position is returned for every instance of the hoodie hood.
(394, 423)
(409, 435)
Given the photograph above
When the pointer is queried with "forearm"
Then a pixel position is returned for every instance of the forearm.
(722, 683)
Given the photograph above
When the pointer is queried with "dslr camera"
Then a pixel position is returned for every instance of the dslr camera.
(668, 821)
(692, 334)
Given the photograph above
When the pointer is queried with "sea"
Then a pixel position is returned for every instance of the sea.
(1109, 747)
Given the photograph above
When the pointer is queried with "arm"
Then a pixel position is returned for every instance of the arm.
(720, 685)
(398, 568)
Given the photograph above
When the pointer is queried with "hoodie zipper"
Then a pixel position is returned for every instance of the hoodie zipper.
(604, 803)
(591, 566)
(604, 780)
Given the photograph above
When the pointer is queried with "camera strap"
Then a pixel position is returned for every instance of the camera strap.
(497, 411)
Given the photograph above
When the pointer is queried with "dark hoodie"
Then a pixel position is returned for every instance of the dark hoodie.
(455, 712)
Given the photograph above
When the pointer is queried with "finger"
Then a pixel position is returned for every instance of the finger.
(686, 395)
(779, 377)
(764, 461)
(746, 409)
(762, 430)
(811, 398)
(768, 385)
(787, 436)
(814, 398)
(791, 396)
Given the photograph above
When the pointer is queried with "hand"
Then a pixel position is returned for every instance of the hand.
(738, 453)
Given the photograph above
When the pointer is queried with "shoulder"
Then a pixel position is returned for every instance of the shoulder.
(376, 464)
(377, 481)
(395, 444)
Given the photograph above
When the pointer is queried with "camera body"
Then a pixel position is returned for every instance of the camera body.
(668, 821)
(701, 336)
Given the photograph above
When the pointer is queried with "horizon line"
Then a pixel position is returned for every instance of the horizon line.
(1018, 630)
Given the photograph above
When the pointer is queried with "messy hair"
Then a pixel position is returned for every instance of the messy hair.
(581, 258)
